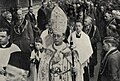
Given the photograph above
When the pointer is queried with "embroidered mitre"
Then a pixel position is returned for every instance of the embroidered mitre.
(58, 20)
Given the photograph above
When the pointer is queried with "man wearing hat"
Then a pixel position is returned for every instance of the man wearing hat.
(56, 64)
(110, 65)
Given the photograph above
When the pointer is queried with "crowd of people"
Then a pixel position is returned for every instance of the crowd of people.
(61, 43)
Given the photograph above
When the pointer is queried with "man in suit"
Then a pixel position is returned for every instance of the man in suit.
(23, 36)
(42, 17)
(6, 21)
(110, 65)
(31, 17)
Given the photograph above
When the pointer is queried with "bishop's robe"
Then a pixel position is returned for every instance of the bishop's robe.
(56, 64)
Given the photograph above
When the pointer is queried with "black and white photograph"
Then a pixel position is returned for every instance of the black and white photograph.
(59, 40)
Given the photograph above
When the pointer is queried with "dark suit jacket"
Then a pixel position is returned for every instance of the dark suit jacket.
(4, 23)
(93, 34)
(25, 37)
(31, 18)
(110, 66)
(42, 18)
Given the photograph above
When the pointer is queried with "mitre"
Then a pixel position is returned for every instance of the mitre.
(58, 20)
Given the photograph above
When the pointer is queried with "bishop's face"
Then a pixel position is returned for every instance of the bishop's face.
(58, 38)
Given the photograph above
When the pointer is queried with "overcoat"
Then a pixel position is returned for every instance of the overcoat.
(22, 35)
(110, 67)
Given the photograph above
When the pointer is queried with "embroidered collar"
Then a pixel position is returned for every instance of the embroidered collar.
(59, 48)
(19, 28)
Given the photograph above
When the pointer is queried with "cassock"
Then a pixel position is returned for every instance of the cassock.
(83, 47)
(5, 53)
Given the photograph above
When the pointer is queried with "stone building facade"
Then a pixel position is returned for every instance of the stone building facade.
(7, 4)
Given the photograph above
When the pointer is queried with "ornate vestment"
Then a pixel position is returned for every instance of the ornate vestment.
(55, 65)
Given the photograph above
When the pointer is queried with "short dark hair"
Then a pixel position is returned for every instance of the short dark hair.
(38, 39)
(5, 30)
(78, 21)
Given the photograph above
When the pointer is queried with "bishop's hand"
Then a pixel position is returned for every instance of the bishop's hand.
(74, 70)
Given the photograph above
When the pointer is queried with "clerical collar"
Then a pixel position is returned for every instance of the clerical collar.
(59, 48)
(78, 35)
(6, 45)
(41, 50)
